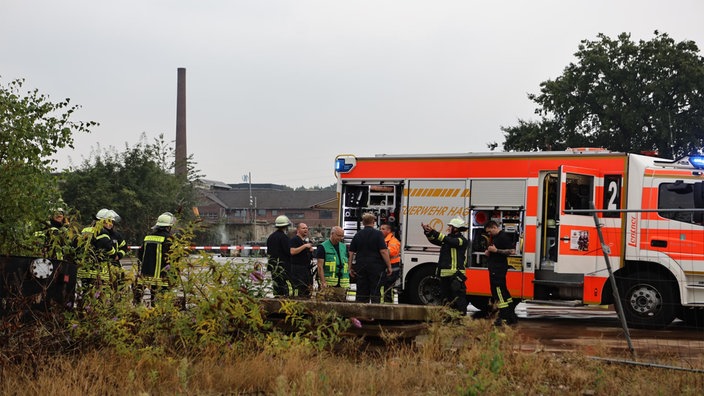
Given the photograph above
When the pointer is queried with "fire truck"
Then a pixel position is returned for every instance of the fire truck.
(649, 211)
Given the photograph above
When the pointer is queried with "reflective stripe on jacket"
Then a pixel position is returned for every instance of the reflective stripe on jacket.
(154, 260)
(453, 251)
(333, 269)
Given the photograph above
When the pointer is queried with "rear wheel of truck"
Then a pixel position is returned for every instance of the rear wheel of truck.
(423, 288)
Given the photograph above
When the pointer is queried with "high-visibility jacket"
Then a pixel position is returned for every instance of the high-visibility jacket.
(453, 251)
(394, 246)
(101, 251)
(108, 244)
(54, 238)
(335, 267)
(154, 258)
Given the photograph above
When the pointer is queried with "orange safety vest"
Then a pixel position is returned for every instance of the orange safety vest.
(394, 249)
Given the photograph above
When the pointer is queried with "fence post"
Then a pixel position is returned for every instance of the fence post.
(617, 297)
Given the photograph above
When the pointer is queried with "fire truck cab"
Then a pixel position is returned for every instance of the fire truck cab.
(649, 210)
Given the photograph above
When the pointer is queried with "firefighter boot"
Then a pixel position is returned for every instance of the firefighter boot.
(502, 319)
(512, 317)
(506, 317)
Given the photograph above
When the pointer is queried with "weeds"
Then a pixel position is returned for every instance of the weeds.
(208, 335)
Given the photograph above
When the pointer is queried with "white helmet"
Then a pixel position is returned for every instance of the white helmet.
(102, 214)
(458, 223)
(112, 215)
(165, 219)
(108, 214)
(282, 221)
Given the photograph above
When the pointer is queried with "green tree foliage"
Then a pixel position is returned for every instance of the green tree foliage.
(621, 95)
(213, 305)
(32, 128)
(139, 184)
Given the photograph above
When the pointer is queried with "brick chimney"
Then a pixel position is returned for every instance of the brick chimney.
(181, 163)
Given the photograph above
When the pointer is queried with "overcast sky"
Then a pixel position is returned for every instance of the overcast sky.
(279, 88)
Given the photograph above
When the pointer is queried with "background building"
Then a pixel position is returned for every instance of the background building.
(239, 217)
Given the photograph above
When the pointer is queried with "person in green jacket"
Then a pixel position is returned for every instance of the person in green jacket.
(333, 269)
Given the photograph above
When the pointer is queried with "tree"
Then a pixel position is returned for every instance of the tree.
(32, 128)
(622, 96)
(139, 184)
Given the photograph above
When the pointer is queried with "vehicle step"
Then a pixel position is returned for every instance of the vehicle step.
(551, 282)
(562, 303)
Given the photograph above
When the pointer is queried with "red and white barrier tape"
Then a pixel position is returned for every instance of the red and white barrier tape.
(217, 247)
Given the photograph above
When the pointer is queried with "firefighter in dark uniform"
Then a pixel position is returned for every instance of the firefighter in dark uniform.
(279, 256)
(501, 247)
(56, 235)
(153, 255)
(102, 248)
(451, 262)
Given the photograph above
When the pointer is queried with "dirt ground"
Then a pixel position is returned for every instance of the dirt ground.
(596, 330)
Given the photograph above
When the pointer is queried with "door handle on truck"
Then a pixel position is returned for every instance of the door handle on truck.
(658, 243)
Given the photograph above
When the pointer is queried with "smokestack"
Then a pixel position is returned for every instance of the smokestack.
(181, 164)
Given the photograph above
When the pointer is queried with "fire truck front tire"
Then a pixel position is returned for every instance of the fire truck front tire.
(648, 302)
(423, 287)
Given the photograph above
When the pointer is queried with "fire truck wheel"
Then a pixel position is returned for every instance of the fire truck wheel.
(424, 287)
(647, 302)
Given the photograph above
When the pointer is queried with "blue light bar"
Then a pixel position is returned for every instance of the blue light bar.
(343, 164)
(697, 161)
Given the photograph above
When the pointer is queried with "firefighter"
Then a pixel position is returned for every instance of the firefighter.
(102, 248)
(279, 256)
(333, 269)
(394, 246)
(153, 258)
(369, 260)
(55, 236)
(501, 247)
(451, 263)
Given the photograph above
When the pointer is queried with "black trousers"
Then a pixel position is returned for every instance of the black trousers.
(389, 282)
(279, 278)
(454, 292)
(301, 280)
(370, 277)
(497, 281)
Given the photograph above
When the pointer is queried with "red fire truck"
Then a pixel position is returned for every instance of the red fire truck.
(649, 209)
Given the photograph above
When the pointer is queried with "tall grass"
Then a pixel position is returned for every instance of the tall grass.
(467, 359)
(209, 336)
